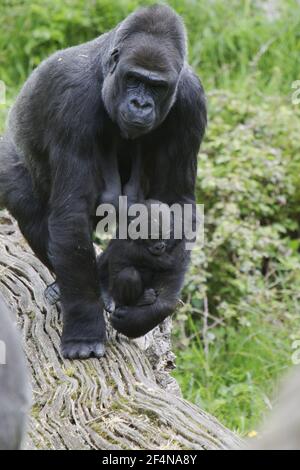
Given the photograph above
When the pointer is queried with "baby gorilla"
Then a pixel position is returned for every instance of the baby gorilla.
(141, 279)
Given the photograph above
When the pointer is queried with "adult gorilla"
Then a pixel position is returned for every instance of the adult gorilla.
(80, 111)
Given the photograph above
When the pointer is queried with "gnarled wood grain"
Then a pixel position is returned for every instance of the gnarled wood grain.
(126, 400)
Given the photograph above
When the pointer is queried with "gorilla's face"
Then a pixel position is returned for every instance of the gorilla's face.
(146, 98)
(138, 94)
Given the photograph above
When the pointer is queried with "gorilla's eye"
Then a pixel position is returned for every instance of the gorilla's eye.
(132, 81)
(159, 89)
(115, 55)
(114, 59)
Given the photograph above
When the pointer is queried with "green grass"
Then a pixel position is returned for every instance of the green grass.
(235, 379)
(248, 275)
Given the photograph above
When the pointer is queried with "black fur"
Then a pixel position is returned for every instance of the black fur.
(66, 127)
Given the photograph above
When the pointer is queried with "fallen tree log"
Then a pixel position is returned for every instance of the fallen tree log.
(126, 400)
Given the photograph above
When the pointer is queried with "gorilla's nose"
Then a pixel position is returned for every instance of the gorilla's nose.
(140, 108)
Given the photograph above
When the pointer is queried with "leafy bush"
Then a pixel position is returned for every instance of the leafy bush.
(242, 291)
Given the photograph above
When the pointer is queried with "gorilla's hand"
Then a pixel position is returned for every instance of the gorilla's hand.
(130, 321)
(136, 321)
(148, 298)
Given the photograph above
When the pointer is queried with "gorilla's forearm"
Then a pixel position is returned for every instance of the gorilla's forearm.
(135, 321)
(72, 255)
(73, 258)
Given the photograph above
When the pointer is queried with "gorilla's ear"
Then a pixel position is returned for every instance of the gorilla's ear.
(114, 59)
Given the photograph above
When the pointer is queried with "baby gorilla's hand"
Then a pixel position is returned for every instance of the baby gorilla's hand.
(128, 321)
(134, 321)
(149, 297)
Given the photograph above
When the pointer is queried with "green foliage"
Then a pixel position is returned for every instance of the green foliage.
(235, 379)
(32, 30)
(240, 316)
(242, 297)
(248, 188)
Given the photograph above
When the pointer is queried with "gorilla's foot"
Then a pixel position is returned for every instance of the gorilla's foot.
(52, 294)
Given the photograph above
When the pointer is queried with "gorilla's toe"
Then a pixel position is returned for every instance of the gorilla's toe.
(82, 349)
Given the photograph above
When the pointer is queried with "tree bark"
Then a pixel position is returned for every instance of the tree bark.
(126, 400)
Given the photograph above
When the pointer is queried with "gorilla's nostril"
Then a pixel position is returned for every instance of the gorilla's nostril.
(141, 105)
(135, 103)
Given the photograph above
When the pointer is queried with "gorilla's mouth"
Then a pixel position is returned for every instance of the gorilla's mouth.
(134, 127)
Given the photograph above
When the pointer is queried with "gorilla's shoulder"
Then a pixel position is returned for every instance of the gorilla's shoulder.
(64, 86)
(190, 88)
(190, 106)
(76, 61)
(72, 66)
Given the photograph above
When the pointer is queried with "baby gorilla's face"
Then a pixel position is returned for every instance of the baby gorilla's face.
(160, 246)
(159, 222)
(156, 247)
